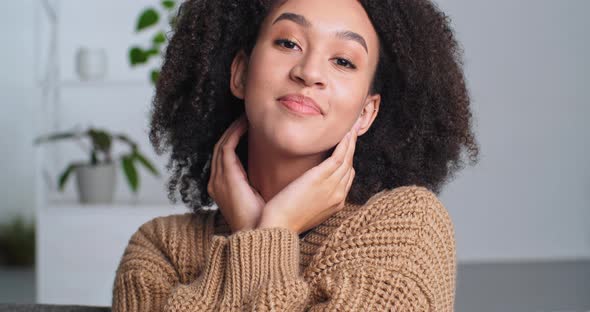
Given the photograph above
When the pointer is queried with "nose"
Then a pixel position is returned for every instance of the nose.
(309, 71)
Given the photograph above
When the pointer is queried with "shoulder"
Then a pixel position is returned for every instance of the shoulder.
(412, 214)
(405, 198)
(420, 207)
(412, 203)
(401, 229)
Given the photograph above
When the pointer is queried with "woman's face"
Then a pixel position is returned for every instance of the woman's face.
(326, 51)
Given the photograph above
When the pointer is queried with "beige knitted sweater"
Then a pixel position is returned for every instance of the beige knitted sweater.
(394, 253)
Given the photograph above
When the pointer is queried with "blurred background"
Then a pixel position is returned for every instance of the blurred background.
(77, 78)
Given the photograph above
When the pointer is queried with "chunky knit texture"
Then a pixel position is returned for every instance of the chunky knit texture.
(394, 253)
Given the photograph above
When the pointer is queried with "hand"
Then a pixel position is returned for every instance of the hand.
(317, 194)
(240, 204)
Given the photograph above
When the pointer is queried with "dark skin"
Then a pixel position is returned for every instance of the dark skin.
(298, 185)
(322, 189)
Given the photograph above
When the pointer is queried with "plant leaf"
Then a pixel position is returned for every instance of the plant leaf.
(155, 75)
(173, 21)
(64, 176)
(100, 139)
(159, 38)
(55, 137)
(152, 52)
(137, 56)
(93, 158)
(168, 4)
(127, 140)
(146, 163)
(130, 172)
(148, 18)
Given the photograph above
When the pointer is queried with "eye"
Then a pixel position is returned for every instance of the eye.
(346, 63)
(286, 43)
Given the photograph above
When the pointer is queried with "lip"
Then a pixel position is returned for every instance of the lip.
(295, 101)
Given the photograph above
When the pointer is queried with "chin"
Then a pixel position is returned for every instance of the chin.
(295, 142)
(290, 136)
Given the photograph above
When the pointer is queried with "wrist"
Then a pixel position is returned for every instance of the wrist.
(240, 225)
(241, 229)
(274, 220)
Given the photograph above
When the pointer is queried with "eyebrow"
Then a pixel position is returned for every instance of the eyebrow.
(301, 20)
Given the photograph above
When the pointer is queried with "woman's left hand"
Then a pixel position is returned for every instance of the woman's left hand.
(317, 194)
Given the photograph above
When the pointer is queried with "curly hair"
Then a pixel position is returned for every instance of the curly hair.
(422, 134)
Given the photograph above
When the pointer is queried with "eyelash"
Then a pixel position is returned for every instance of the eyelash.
(282, 41)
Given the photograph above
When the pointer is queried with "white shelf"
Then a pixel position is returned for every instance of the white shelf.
(79, 248)
(104, 84)
(70, 207)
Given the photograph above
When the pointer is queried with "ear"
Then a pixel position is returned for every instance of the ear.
(239, 68)
(369, 113)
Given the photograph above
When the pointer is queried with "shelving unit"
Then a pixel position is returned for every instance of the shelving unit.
(102, 84)
(79, 249)
(79, 246)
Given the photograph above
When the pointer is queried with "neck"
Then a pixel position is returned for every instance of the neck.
(270, 170)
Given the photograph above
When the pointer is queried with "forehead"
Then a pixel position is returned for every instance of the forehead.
(329, 16)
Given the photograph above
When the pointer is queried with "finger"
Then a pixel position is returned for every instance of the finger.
(213, 169)
(233, 137)
(230, 159)
(325, 214)
(259, 197)
(344, 185)
(232, 163)
(221, 142)
(350, 180)
(230, 130)
(343, 170)
(337, 158)
(214, 162)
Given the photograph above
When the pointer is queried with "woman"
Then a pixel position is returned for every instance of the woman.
(322, 130)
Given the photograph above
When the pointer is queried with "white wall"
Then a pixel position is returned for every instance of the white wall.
(527, 71)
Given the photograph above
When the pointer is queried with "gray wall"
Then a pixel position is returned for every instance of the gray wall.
(528, 71)
(17, 95)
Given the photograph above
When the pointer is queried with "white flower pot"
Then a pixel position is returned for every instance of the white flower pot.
(91, 64)
(96, 184)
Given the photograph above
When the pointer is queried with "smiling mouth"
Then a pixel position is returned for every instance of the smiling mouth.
(299, 108)
(300, 104)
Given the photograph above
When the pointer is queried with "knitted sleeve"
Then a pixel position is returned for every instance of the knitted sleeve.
(398, 258)
(234, 273)
(161, 255)
(258, 270)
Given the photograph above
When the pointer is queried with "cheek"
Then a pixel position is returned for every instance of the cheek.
(346, 100)
(266, 72)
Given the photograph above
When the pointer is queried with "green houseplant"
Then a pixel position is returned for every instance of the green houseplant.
(150, 18)
(17, 242)
(98, 172)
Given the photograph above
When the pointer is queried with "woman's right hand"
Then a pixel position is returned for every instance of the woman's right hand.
(240, 204)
